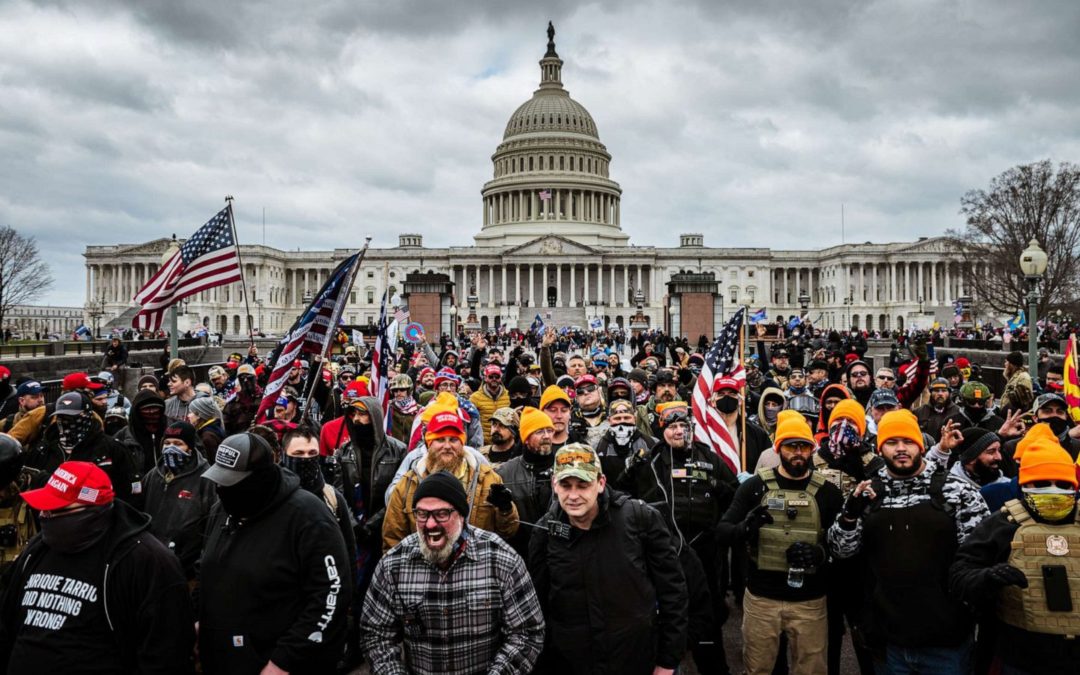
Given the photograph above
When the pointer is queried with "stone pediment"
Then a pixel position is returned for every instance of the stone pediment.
(936, 245)
(551, 245)
(155, 247)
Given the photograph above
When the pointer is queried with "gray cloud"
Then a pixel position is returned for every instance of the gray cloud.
(750, 122)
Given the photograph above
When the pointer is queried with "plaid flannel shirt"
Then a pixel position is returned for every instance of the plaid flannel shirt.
(480, 615)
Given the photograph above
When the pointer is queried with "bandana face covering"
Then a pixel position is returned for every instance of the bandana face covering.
(622, 433)
(1050, 503)
(73, 429)
(843, 439)
(308, 469)
(771, 414)
(74, 532)
(174, 458)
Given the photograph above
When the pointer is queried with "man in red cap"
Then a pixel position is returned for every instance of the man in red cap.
(491, 396)
(94, 588)
(589, 418)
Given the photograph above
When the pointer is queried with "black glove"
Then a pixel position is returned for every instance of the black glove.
(639, 457)
(918, 348)
(805, 556)
(758, 517)
(855, 506)
(1004, 574)
(365, 532)
(500, 497)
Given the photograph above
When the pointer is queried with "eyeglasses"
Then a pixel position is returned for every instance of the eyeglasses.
(1059, 484)
(587, 389)
(887, 378)
(440, 515)
(494, 378)
(860, 373)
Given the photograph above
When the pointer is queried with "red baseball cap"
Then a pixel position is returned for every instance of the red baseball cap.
(963, 362)
(80, 381)
(72, 483)
(5, 373)
(584, 379)
(726, 383)
(492, 369)
(445, 424)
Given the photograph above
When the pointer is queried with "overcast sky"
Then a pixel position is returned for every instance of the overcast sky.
(750, 122)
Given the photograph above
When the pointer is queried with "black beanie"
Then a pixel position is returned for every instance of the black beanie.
(975, 441)
(445, 486)
(184, 432)
(519, 385)
(1016, 358)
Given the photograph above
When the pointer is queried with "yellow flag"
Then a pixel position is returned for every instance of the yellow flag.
(1072, 381)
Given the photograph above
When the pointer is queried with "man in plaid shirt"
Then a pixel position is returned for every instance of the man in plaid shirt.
(450, 598)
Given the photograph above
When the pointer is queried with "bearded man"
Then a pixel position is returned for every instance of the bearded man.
(491, 506)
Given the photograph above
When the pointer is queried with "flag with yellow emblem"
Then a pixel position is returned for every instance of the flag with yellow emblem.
(1072, 381)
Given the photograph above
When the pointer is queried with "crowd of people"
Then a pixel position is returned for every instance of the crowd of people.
(542, 503)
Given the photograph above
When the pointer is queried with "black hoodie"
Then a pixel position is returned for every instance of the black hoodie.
(143, 445)
(146, 603)
(274, 587)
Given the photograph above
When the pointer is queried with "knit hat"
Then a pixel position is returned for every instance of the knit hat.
(1034, 435)
(532, 420)
(899, 424)
(791, 426)
(444, 402)
(638, 375)
(850, 410)
(1045, 459)
(1015, 358)
(975, 441)
(519, 385)
(939, 383)
(443, 485)
(184, 432)
(551, 394)
(508, 417)
(444, 424)
(205, 408)
(148, 379)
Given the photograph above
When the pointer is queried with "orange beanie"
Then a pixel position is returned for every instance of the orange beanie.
(533, 420)
(1036, 434)
(1045, 459)
(551, 394)
(849, 409)
(899, 424)
(791, 426)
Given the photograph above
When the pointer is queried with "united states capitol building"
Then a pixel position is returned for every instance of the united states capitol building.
(550, 241)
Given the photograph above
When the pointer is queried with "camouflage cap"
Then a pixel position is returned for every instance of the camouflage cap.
(975, 391)
(508, 417)
(577, 460)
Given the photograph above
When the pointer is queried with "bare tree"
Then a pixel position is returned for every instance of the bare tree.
(23, 274)
(1030, 201)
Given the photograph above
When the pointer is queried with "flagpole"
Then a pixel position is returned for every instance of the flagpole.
(331, 331)
(243, 277)
(742, 346)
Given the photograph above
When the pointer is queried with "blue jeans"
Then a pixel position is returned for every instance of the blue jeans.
(925, 660)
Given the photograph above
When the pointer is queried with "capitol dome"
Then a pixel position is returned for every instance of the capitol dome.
(551, 172)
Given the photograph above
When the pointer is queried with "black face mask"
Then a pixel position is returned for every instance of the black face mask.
(974, 413)
(251, 495)
(361, 435)
(309, 471)
(727, 404)
(1059, 426)
(74, 532)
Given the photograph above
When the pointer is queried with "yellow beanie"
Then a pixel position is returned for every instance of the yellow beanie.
(1045, 459)
(790, 426)
(551, 394)
(850, 410)
(532, 420)
(444, 402)
(899, 424)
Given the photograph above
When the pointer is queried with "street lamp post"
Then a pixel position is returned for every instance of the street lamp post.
(848, 302)
(174, 344)
(804, 304)
(1033, 265)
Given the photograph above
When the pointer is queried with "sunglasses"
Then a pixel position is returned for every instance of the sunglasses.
(860, 373)
(587, 389)
(887, 378)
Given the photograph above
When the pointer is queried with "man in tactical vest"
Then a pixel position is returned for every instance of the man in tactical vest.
(781, 516)
(1022, 564)
(17, 525)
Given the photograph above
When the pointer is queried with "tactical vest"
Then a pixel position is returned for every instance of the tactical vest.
(795, 518)
(18, 528)
(1034, 545)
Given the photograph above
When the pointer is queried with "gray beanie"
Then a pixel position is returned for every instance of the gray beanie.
(205, 408)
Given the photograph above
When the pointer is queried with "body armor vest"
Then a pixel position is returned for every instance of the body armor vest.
(795, 518)
(1034, 545)
(17, 527)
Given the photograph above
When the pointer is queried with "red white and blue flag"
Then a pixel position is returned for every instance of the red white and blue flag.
(312, 331)
(722, 361)
(381, 357)
(207, 260)
(545, 195)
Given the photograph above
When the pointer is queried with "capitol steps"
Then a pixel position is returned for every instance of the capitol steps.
(560, 317)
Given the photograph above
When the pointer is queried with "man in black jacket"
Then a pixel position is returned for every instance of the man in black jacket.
(274, 576)
(94, 588)
(607, 576)
(143, 434)
(528, 476)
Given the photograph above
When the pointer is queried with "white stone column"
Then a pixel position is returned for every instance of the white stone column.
(573, 286)
(600, 282)
(613, 298)
(503, 299)
(626, 284)
(640, 279)
(784, 297)
(934, 282)
(89, 290)
(960, 274)
(948, 284)
(491, 286)
(532, 288)
(558, 284)
(873, 283)
(585, 292)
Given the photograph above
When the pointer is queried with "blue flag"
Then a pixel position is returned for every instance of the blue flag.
(795, 321)
(758, 316)
(537, 326)
(1019, 321)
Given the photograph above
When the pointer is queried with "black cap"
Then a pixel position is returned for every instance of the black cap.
(665, 376)
(1015, 358)
(72, 403)
(638, 375)
(443, 485)
(238, 457)
(184, 431)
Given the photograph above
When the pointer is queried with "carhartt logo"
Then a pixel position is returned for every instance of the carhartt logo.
(227, 457)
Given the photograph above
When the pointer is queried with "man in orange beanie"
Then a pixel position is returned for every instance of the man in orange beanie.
(1022, 564)
(907, 521)
(781, 516)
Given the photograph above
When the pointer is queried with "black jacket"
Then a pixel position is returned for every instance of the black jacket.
(614, 596)
(143, 445)
(110, 455)
(274, 587)
(385, 458)
(528, 478)
(179, 508)
(145, 598)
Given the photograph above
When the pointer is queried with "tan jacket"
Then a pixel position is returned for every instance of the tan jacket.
(400, 522)
(1018, 394)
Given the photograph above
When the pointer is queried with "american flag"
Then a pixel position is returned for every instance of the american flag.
(723, 360)
(312, 330)
(381, 355)
(401, 314)
(206, 260)
(545, 195)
